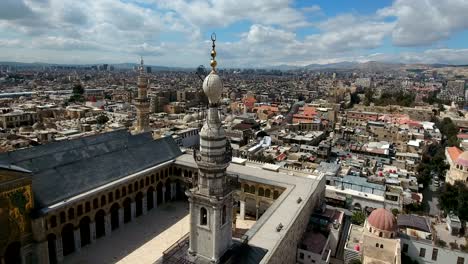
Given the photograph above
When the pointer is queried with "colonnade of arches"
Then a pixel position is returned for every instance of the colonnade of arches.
(81, 225)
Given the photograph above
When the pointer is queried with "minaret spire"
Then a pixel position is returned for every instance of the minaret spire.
(211, 200)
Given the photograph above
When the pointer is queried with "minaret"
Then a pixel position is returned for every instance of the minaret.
(211, 200)
(141, 102)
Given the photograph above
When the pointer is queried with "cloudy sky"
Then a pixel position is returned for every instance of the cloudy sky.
(250, 33)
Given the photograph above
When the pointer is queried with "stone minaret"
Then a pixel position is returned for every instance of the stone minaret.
(211, 200)
(142, 102)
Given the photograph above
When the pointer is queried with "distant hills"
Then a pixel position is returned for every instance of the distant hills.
(345, 65)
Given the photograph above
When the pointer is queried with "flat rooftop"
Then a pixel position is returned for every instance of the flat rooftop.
(283, 211)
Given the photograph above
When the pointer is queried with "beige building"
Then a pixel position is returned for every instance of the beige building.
(458, 161)
(376, 242)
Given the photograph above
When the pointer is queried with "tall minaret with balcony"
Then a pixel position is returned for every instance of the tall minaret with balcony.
(142, 102)
(211, 200)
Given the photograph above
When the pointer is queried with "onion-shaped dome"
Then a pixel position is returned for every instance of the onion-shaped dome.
(213, 87)
(382, 219)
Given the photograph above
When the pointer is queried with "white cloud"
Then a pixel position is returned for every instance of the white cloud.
(213, 13)
(423, 22)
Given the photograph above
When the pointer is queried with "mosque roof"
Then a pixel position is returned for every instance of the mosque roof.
(67, 168)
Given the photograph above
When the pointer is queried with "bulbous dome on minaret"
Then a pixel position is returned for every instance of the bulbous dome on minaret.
(213, 87)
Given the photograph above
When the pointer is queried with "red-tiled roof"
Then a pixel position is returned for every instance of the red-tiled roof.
(454, 152)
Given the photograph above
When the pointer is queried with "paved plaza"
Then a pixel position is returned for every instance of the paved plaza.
(141, 241)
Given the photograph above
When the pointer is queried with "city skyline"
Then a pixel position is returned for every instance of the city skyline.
(250, 33)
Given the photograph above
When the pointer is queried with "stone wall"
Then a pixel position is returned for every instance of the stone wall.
(286, 249)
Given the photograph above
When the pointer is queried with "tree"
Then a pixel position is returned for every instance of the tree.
(77, 93)
(358, 218)
(355, 261)
(395, 211)
(102, 119)
(78, 89)
(454, 198)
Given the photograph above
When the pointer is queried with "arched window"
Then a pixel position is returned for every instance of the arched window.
(135, 186)
(62, 217)
(124, 191)
(117, 194)
(87, 207)
(71, 213)
(224, 215)
(152, 178)
(203, 216)
(103, 200)
(380, 234)
(381, 245)
(267, 193)
(391, 235)
(95, 203)
(53, 221)
(130, 188)
(252, 189)
(246, 188)
(261, 191)
(376, 244)
(157, 176)
(147, 181)
(79, 210)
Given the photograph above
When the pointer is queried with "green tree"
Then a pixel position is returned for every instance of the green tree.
(102, 119)
(77, 93)
(358, 218)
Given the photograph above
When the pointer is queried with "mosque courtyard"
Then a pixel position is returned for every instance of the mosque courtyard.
(141, 241)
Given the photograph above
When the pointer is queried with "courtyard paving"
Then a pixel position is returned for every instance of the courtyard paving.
(141, 241)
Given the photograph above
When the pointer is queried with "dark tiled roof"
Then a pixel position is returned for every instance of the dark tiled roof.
(413, 221)
(67, 168)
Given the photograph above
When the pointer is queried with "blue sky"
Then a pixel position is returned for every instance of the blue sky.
(251, 33)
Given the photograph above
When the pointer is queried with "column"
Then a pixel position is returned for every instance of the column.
(145, 205)
(42, 252)
(164, 195)
(59, 248)
(242, 210)
(155, 199)
(133, 210)
(256, 212)
(173, 190)
(121, 217)
(92, 230)
(215, 239)
(193, 226)
(77, 236)
(107, 225)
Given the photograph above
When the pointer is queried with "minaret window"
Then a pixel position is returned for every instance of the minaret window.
(224, 215)
(203, 216)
